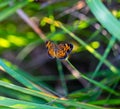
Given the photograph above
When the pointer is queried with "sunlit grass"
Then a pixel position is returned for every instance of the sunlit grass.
(18, 41)
(4, 43)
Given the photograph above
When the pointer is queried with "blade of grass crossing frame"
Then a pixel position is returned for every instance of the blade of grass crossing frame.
(80, 105)
(62, 78)
(94, 34)
(48, 97)
(110, 45)
(16, 104)
(10, 10)
(91, 50)
(18, 77)
(5, 107)
(114, 86)
(39, 94)
(95, 82)
(26, 50)
(104, 16)
(108, 102)
(5, 3)
(27, 77)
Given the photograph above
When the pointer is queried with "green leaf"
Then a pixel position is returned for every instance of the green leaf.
(91, 50)
(48, 97)
(43, 95)
(104, 16)
(5, 3)
(108, 102)
(4, 101)
(79, 104)
(102, 86)
(110, 45)
(19, 77)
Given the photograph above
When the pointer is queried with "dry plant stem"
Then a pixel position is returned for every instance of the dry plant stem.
(75, 73)
(78, 6)
(49, 2)
(33, 25)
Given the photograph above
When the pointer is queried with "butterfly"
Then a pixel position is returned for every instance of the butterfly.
(60, 51)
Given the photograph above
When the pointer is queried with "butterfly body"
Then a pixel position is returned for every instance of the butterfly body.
(60, 51)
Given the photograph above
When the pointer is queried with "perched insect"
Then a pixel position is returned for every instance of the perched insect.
(60, 51)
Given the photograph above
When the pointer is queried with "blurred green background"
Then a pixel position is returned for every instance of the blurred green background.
(87, 79)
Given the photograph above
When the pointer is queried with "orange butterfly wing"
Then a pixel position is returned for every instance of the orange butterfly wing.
(63, 50)
(51, 48)
(60, 51)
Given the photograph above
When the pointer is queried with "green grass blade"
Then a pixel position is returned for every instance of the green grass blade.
(114, 86)
(5, 3)
(110, 45)
(31, 78)
(94, 34)
(28, 78)
(5, 107)
(105, 17)
(12, 9)
(26, 50)
(80, 41)
(79, 104)
(108, 102)
(19, 77)
(47, 97)
(43, 95)
(16, 104)
(91, 50)
(63, 82)
(98, 84)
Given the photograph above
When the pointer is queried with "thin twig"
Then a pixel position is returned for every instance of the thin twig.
(75, 73)
(32, 24)
(78, 6)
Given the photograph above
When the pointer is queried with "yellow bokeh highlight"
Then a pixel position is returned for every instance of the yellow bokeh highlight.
(51, 21)
(58, 37)
(19, 41)
(30, 0)
(114, 12)
(4, 43)
(90, 49)
(113, 69)
(95, 44)
(82, 24)
(52, 28)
